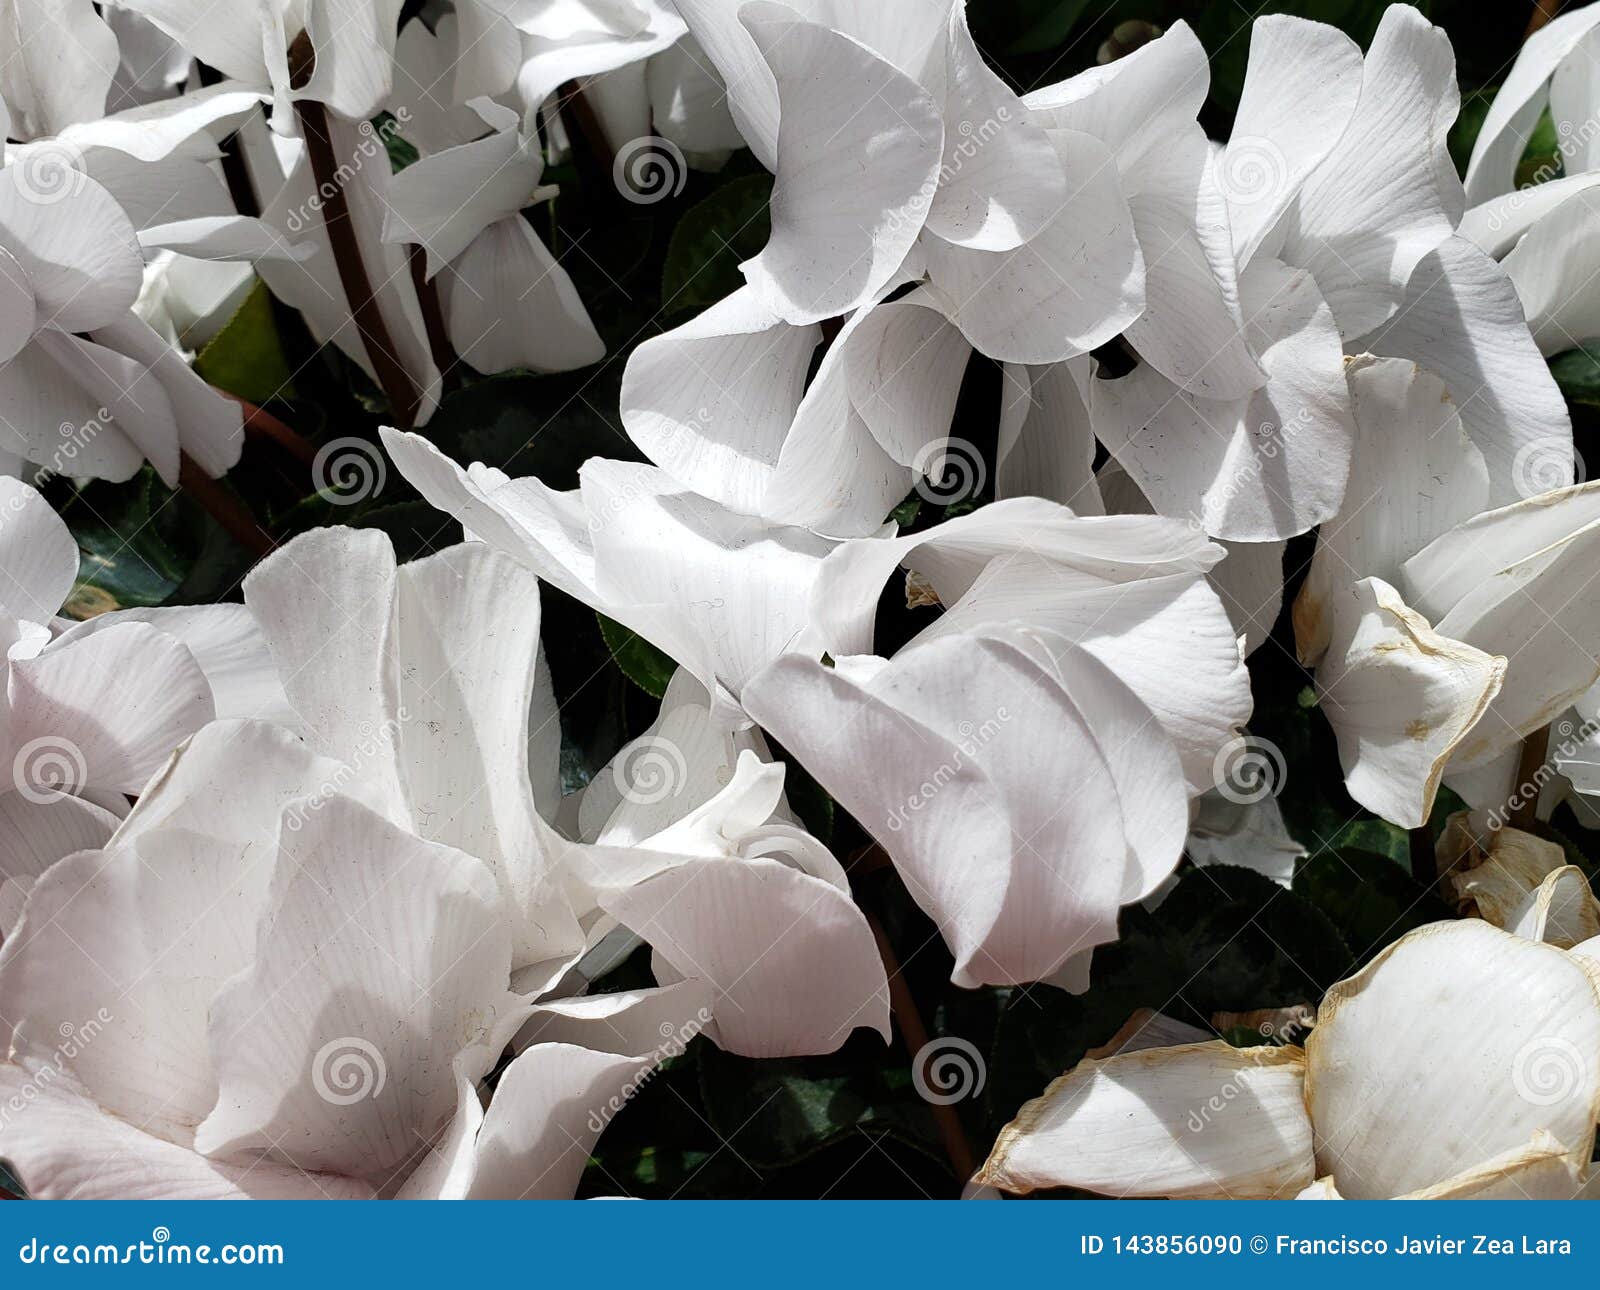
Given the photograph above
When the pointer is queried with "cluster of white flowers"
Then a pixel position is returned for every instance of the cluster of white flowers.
(308, 857)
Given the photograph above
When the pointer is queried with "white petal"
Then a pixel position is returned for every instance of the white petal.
(711, 402)
(326, 605)
(858, 154)
(508, 303)
(60, 58)
(904, 365)
(1403, 1098)
(1257, 469)
(1073, 286)
(1498, 225)
(1413, 475)
(1461, 319)
(1192, 330)
(1300, 91)
(1520, 101)
(51, 420)
(1382, 200)
(38, 557)
(380, 958)
(76, 244)
(104, 710)
(354, 44)
(1401, 698)
(36, 830)
(938, 755)
(1000, 182)
(1197, 1120)
(66, 1147)
(1553, 268)
(1561, 911)
(1046, 445)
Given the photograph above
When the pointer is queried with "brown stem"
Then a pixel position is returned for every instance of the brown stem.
(224, 507)
(1543, 11)
(1535, 749)
(444, 354)
(915, 1035)
(404, 400)
(263, 425)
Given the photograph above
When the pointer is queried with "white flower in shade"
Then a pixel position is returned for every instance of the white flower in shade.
(60, 58)
(90, 388)
(275, 991)
(506, 301)
(91, 710)
(1443, 633)
(1552, 69)
(454, 729)
(1090, 643)
(351, 44)
(1489, 1089)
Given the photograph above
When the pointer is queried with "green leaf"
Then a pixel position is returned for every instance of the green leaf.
(136, 542)
(1577, 372)
(1371, 899)
(711, 241)
(778, 1112)
(640, 661)
(246, 357)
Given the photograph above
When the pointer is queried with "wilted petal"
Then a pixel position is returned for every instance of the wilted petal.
(1404, 1097)
(1197, 1120)
(1401, 697)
